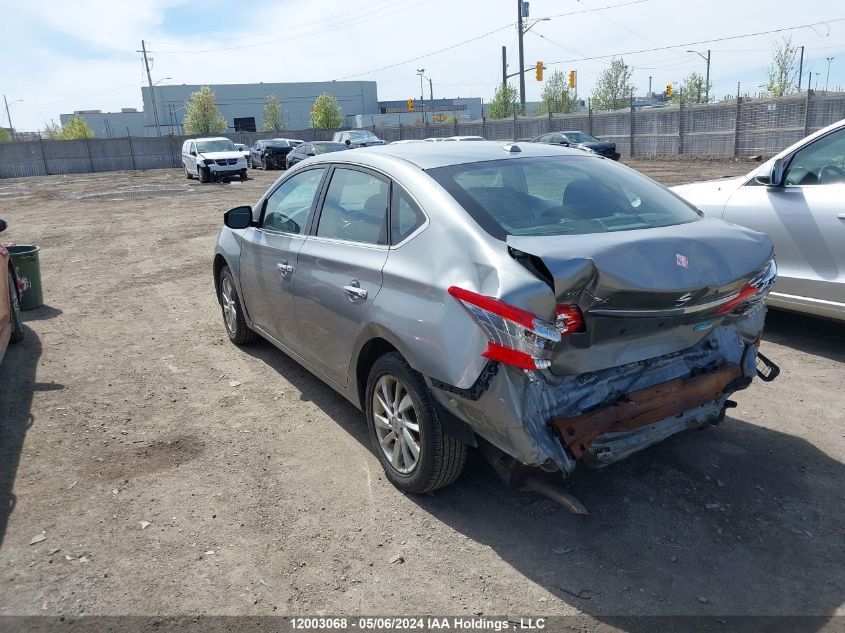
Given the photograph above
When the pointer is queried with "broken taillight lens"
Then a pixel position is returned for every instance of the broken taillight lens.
(569, 319)
(757, 288)
(515, 336)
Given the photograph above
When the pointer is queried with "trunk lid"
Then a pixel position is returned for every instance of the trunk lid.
(647, 292)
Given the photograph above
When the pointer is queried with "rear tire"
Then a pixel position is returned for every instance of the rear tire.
(15, 311)
(233, 315)
(439, 458)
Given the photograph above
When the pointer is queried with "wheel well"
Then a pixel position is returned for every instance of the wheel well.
(14, 274)
(370, 353)
(219, 262)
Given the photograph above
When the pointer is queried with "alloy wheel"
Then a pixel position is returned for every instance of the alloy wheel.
(396, 422)
(230, 312)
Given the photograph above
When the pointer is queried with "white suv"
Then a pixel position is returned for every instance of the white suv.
(212, 158)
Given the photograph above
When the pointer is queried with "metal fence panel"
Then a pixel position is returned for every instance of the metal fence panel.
(728, 128)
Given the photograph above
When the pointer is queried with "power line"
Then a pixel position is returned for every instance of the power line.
(92, 94)
(718, 39)
(424, 55)
(289, 38)
(620, 25)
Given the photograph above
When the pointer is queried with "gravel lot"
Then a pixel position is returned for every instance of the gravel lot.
(172, 472)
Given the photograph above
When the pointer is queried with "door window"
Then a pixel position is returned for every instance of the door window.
(286, 209)
(820, 163)
(355, 208)
(405, 216)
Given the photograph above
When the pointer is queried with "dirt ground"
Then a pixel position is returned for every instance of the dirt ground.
(174, 473)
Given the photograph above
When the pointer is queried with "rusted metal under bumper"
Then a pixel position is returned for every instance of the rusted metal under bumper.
(646, 406)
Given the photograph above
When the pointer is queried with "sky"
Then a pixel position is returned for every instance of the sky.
(61, 56)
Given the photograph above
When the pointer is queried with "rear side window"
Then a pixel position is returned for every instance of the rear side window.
(405, 216)
(566, 195)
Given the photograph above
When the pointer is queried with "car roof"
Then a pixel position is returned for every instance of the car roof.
(431, 155)
(571, 132)
(324, 143)
(210, 138)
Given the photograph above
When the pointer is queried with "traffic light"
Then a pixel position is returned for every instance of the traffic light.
(571, 78)
(669, 90)
(539, 71)
(410, 105)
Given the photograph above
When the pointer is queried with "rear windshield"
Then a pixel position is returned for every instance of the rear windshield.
(221, 145)
(580, 137)
(567, 195)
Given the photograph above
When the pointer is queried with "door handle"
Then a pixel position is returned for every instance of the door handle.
(284, 268)
(355, 292)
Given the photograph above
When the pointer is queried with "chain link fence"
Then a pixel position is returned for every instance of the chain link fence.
(741, 127)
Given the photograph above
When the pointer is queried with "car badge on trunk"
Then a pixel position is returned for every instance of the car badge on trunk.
(682, 260)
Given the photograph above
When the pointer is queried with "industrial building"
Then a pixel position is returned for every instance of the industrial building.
(242, 105)
(127, 122)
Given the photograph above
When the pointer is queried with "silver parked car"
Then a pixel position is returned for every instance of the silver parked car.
(798, 199)
(547, 305)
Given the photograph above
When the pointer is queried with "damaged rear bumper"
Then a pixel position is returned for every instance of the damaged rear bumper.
(603, 416)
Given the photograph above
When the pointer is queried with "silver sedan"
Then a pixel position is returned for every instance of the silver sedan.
(798, 199)
(548, 306)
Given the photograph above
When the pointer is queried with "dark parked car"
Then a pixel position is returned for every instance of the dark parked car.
(272, 153)
(541, 303)
(303, 151)
(575, 138)
(11, 325)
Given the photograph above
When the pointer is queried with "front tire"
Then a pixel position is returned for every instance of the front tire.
(233, 316)
(205, 175)
(15, 311)
(407, 436)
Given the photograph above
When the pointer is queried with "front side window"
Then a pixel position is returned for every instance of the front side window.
(566, 195)
(820, 163)
(355, 208)
(287, 208)
(581, 137)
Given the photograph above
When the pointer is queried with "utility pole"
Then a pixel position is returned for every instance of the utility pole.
(152, 88)
(504, 66)
(521, 57)
(649, 85)
(826, 80)
(430, 90)
(707, 80)
(420, 72)
(9, 116)
(800, 68)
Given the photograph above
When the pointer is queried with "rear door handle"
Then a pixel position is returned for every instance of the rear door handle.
(284, 268)
(355, 292)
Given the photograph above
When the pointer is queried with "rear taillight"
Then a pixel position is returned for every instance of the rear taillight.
(516, 337)
(756, 289)
(569, 319)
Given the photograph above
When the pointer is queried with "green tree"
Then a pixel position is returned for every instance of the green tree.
(326, 113)
(783, 71)
(76, 128)
(4, 136)
(504, 102)
(202, 115)
(52, 131)
(557, 96)
(692, 90)
(613, 89)
(274, 116)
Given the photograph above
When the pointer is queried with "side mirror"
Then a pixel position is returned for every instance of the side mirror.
(193, 153)
(564, 143)
(3, 225)
(238, 218)
(311, 152)
(348, 142)
(775, 176)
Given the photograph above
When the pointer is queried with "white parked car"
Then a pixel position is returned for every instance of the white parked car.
(212, 158)
(798, 199)
(244, 150)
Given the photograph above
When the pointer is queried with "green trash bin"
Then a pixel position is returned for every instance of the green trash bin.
(26, 261)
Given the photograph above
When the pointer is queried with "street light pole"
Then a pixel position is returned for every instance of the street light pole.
(9, 116)
(706, 58)
(829, 59)
(420, 72)
(521, 57)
